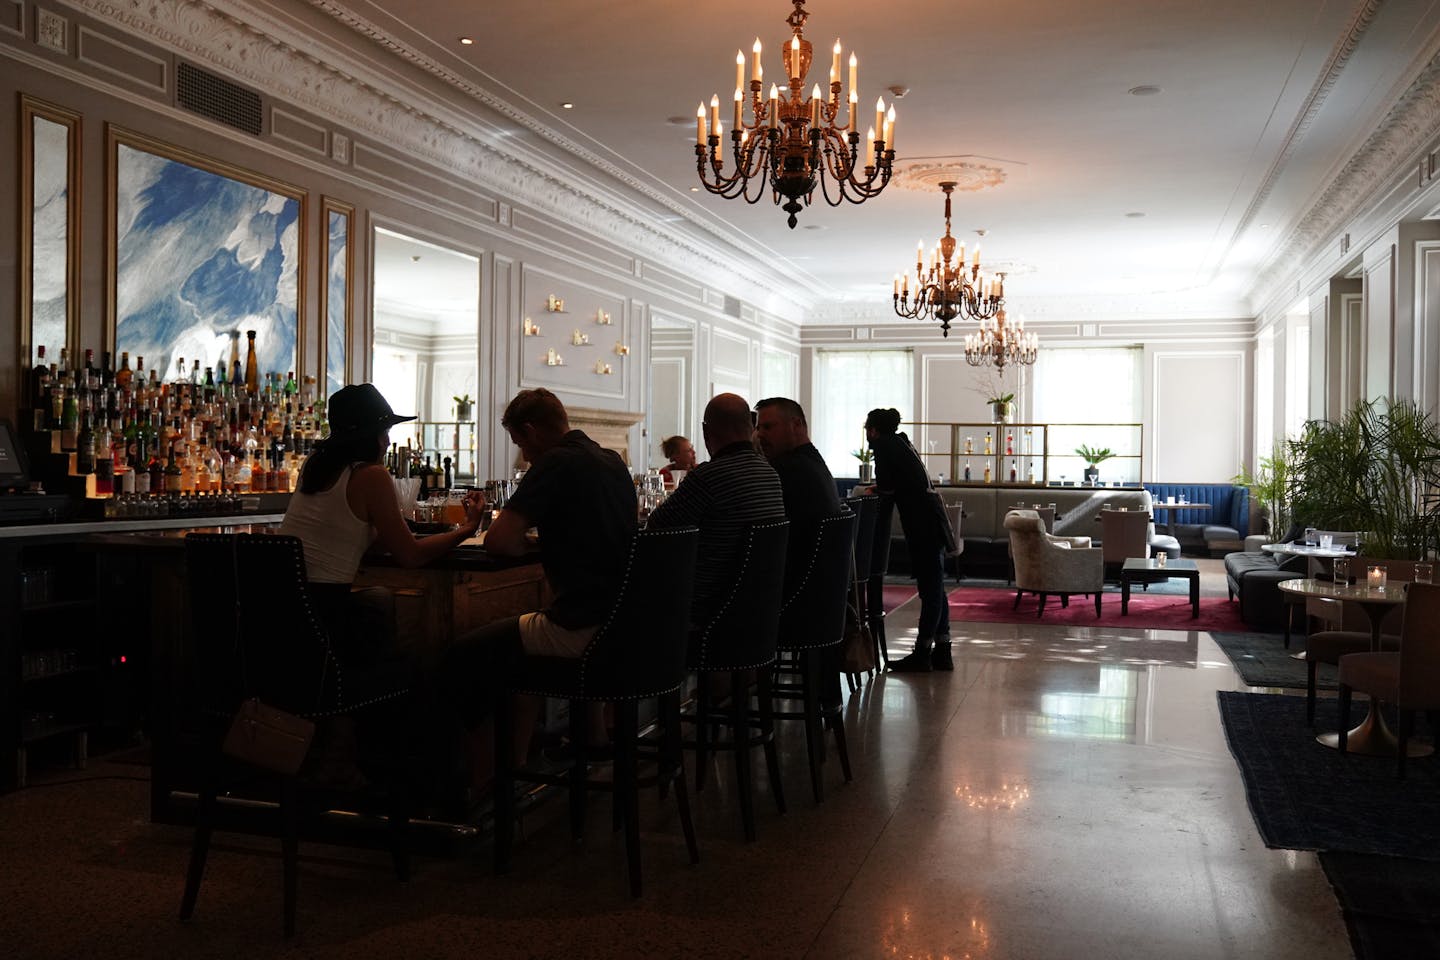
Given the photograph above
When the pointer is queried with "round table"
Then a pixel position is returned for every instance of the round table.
(1302, 550)
(1373, 736)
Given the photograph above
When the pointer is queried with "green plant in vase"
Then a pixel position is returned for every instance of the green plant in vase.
(1270, 486)
(1093, 457)
(866, 456)
(1002, 406)
(464, 407)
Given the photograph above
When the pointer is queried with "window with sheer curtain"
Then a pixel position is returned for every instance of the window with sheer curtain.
(848, 385)
(396, 374)
(1089, 385)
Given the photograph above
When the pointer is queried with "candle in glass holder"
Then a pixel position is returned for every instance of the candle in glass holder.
(1375, 578)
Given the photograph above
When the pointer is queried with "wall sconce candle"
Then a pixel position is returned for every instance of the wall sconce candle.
(579, 339)
(622, 350)
(603, 368)
(553, 359)
(602, 318)
(554, 304)
(532, 329)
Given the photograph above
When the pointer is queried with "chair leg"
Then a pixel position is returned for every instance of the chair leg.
(1018, 595)
(290, 848)
(1040, 610)
(1344, 707)
(702, 730)
(765, 702)
(674, 750)
(837, 727)
(814, 731)
(1312, 667)
(1065, 601)
(740, 743)
(627, 788)
(575, 776)
(1097, 604)
(504, 781)
(200, 844)
(1406, 726)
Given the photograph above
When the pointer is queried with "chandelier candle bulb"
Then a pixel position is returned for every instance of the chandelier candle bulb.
(854, 97)
(835, 63)
(719, 135)
(815, 106)
(700, 126)
(774, 106)
(739, 99)
(870, 149)
(879, 117)
(715, 114)
(890, 129)
(739, 72)
(757, 73)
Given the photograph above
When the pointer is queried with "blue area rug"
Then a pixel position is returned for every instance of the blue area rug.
(1305, 796)
(1263, 661)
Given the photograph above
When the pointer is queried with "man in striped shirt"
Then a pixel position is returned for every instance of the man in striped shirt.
(723, 497)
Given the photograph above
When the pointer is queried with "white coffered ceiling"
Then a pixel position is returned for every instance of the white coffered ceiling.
(1163, 204)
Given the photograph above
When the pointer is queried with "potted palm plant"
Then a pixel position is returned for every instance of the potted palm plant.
(1269, 485)
(866, 456)
(1093, 457)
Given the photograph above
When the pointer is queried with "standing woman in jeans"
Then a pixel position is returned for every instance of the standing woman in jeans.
(900, 472)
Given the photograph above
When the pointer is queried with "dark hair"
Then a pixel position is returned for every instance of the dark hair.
(787, 406)
(333, 454)
(538, 407)
(885, 420)
(671, 445)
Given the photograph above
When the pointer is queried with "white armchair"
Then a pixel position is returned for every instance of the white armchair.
(1052, 566)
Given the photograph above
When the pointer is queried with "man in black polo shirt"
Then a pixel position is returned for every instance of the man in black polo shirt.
(581, 500)
(733, 490)
(808, 485)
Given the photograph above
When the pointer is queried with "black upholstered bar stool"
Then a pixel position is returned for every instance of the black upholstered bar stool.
(255, 633)
(864, 509)
(637, 654)
(812, 624)
(739, 643)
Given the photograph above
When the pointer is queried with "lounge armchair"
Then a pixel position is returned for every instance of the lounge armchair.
(1052, 566)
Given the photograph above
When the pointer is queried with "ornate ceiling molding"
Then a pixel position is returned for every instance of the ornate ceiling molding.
(1406, 129)
(244, 42)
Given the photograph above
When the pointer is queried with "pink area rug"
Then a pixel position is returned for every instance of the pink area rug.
(1152, 611)
(896, 594)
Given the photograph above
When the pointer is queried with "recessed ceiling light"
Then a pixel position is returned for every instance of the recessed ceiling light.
(694, 189)
(567, 105)
(467, 41)
(1264, 226)
(1144, 90)
(415, 258)
(1135, 214)
(813, 226)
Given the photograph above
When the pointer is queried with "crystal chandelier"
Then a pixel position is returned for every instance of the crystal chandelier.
(791, 142)
(999, 342)
(946, 288)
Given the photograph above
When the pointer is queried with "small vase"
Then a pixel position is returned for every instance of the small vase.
(1001, 411)
(1092, 474)
(464, 412)
(866, 472)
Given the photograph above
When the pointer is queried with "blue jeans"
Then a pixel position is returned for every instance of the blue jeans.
(934, 604)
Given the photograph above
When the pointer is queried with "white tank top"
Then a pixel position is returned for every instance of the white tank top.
(334, 538)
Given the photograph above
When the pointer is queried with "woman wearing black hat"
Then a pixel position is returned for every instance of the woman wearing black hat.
(345, 502)
(900, 472)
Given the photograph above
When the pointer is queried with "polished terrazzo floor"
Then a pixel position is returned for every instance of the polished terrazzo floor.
(1060, 795)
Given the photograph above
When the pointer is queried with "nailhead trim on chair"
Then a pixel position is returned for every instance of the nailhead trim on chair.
(810, 568)
(610, 618)
(735, 594)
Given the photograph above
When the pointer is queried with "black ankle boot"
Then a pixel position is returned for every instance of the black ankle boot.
(940, 655)
(917, 661)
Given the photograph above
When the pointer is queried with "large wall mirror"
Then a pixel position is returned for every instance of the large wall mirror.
(335, 298)
(49, 230)
(202, 252)
(427, 345)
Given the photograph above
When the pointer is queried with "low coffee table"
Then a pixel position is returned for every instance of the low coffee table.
(1147, 570)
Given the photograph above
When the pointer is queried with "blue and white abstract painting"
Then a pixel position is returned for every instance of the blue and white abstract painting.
(201, 257)
(49, 237)
(337, 299)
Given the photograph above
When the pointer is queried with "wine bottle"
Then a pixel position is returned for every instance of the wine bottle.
(124, 375)
(85, 445)
(252, 365)
(173, 473)
(967, 471)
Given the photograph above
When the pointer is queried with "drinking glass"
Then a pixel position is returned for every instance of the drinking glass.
(1160, 558)
(1340, 572)
(1424, 573)
(1326, 541)
(1310, 535)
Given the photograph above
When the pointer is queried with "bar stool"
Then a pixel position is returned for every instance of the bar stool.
(812, 624)
(864, 549)
(256, 634)
(637, 654)
(738, 641)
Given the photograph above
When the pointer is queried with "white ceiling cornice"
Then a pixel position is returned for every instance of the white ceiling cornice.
(290, 64)
(1387, 153)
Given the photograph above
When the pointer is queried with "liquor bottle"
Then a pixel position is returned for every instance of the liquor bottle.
(291, 388)
(85, 445)
(1014, 472)
(1030, 472)
(69, 420)
(40, 391)
(139, 465)
(967, 471)
(107, 370)
(989, 444)
(181, 374)
(91, 373)
(156, 469)
(969, 445)
(252, 365)
(449, 476)
(1009, 444)
(104, 460)
(124, 375)
(987, 472)
(173, 474)
(1029, 441)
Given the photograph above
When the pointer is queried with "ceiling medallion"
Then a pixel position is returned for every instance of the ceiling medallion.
(793, 143)
(966, 176)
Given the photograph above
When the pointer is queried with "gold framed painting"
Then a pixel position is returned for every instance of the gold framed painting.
(199, 253)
